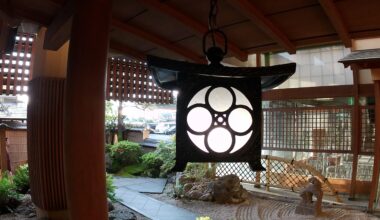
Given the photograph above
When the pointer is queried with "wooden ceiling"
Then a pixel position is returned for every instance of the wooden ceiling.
(174, 28)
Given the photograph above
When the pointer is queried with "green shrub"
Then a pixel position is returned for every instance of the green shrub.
(198, 170)
(110, 187)
(9, 198)
(152, 164)
(166, 152)
(21, 179)
(124, 153)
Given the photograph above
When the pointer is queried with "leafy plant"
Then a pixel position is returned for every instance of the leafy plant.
(124, 153)
(110, 187)
(166, 152)
(199, 170)
(152, 164)
(110, 117)
(9, 198)
(21, 179)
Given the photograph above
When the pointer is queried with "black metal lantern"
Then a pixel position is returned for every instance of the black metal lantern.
(219, 116)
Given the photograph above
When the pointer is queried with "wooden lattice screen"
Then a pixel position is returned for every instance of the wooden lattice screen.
(130, 80)
(308, 129)
(15, 68)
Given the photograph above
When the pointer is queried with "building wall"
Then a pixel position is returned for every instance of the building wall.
(315, 67)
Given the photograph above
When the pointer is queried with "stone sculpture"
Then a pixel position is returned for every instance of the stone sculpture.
(306, 205)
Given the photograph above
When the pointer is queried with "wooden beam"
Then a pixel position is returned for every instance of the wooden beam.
(248, 9)
(158, 40)
(194, 25)
(17, 13)
(337, 21)
(127, 50)
(309, 93)
(58, 31)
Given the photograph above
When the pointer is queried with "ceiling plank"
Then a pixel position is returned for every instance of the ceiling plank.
(157, 40)
(248, 9)
(336, 19)
(127, 50)
(197, 27)
(59, 30)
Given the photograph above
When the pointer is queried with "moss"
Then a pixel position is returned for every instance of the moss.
(131, 170)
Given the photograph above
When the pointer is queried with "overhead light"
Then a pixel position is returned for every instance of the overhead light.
(219, 115)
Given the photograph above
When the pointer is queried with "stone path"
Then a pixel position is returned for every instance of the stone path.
(141, 184)
(147, 206)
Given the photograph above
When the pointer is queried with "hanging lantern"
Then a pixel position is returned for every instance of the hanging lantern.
(219, 115)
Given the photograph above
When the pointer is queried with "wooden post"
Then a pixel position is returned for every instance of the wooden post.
(376, 161)
(267, 172)
(356, 132)
(3, 152)
(45, 130)
(84, 111)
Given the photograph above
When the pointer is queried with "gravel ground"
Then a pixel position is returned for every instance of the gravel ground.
(117, 206)
(256, 209)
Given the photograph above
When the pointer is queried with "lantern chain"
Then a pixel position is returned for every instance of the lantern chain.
(212, 26)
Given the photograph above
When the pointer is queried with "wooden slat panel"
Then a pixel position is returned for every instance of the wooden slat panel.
(45, 143)
(137, 84)
(15, 67)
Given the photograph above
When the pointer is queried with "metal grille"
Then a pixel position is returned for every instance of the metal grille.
(280, 173)
(367, 128)
(130, 80)
(316, 129)
(15, 69)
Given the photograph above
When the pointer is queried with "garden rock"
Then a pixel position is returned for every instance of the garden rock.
(183, 179)
(227, 189)
(26, 208)
(121, 215)
(110, 205)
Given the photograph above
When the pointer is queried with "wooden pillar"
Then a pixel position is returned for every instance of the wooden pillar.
(3, 152)
(376, 161)
(45, 130)
(84, 111)
(356, 132)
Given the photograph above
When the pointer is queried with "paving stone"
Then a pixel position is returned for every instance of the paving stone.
(150, 207)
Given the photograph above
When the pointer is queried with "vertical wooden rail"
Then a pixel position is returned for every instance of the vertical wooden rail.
(376, 161)
(356, 132)
(267, 172)
(258, 173)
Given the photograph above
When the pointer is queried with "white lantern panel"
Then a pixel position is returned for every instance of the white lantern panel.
(198, 140)
(240, 120)
(220, 99)
(199, 98)
(240, 141)
(241, 99)
(199, 119)
(219, 140)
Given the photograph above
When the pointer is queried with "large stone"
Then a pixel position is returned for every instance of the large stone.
(121, 215)
(110, 205)
(26, 208)
(307, 206)
(227, 189)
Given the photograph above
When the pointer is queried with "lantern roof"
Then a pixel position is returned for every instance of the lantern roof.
(166, 72)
